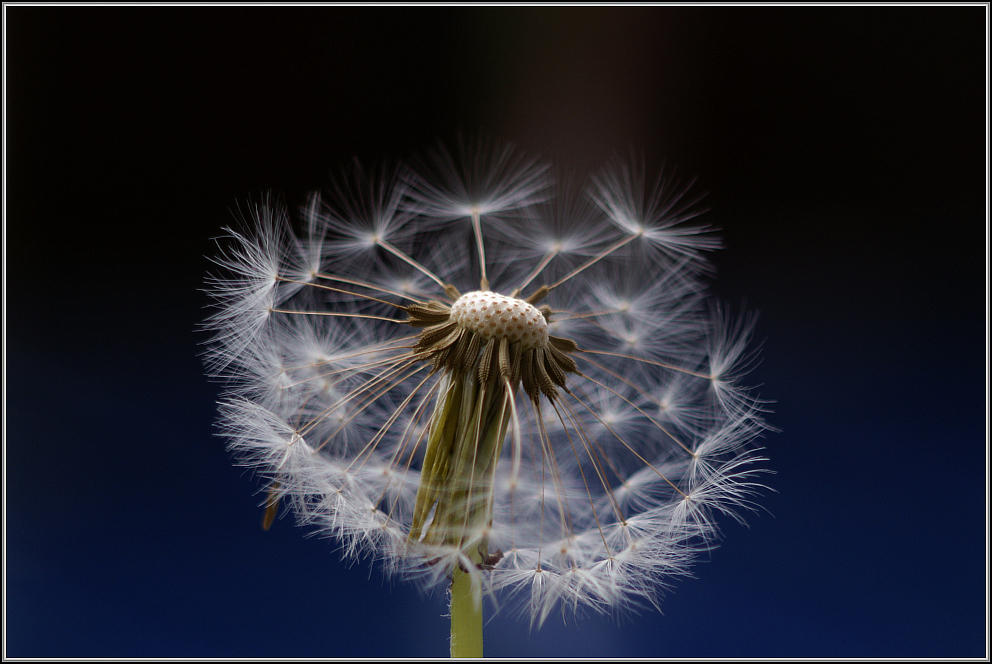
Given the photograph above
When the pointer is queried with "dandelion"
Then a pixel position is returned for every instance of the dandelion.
(485, 381)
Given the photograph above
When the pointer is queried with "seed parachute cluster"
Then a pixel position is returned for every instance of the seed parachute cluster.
(461, 365)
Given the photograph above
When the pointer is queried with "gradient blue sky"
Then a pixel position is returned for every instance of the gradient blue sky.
(844, 153)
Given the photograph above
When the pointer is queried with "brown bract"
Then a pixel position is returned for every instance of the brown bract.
(461, 350)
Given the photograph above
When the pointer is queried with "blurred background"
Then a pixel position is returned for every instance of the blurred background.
(844, 152)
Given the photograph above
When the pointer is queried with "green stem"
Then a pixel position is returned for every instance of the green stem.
(466, 617)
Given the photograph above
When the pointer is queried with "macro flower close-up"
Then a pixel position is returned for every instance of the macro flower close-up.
(484, 376)
(518, 331)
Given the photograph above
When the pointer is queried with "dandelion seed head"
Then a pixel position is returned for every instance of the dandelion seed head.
(459, 365)
(492, 315)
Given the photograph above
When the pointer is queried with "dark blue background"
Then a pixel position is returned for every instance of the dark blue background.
(844, 149)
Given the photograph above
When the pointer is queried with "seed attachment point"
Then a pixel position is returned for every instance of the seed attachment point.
(491, 315)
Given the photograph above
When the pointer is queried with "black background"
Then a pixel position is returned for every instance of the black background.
(844, 152)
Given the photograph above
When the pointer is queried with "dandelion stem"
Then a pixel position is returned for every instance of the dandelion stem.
(466, 615)
(477, 228)
(647, 361)
(635, 406)
(365, 284)
(595, 259)
(338, 290)
(412, 263)
(337, 314)
(536, 271)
